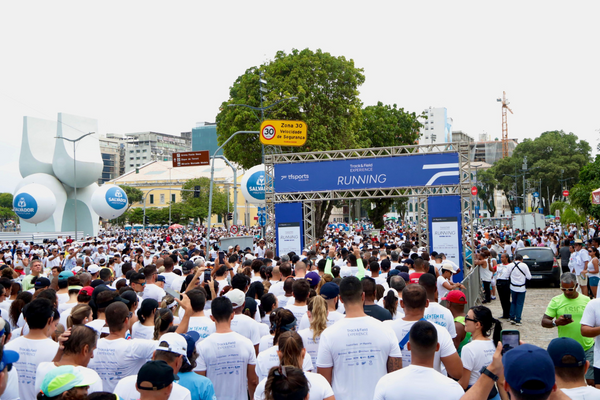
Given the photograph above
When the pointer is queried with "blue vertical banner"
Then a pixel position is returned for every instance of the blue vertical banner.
(445, 229)
(289, 228)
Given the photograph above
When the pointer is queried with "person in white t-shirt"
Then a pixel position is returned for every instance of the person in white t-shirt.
(434, 312)
(479, 352)
(151, 290)
(414, 302)
(115, 357)
(444, 281)
(168, 273)
(199, 322)
(143, 328)
(77, 351)
(291, 352)
(301, 290)
(172, 349)
(371, 341)
(241, 323)
(419, 380)
(35, 347)
(227, 358)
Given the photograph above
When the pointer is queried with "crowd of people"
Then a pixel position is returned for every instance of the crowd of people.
(170, 315)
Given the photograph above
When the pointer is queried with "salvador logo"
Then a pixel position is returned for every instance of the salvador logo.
(256, 185)
(116, 198)
(25, 206)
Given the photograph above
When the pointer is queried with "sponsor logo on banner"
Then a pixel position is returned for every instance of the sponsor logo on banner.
(256, 185)
(25, 206)
(376, 173)
(116, 198)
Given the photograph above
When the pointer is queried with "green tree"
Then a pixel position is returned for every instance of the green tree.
(383, 126)
(197, 207)
(551, 155)
(326, 88)
(486, 183)
(6, 200)
(134, 195)
(581, 194)
(134, 216)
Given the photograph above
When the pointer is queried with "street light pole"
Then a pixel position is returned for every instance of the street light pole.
(170, 196)
(212, 176)
(74, 141)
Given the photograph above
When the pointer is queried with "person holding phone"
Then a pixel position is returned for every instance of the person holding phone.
(565, 311)
(478, 354)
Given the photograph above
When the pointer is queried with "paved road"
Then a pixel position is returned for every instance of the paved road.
(536, 300)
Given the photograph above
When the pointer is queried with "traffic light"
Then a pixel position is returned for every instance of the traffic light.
(229, 216)
(146, 220)
(196, 191)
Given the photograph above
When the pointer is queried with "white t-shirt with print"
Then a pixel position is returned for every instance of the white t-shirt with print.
(440, 315)
(169, 278)
(31, 354)
(356, 374)
(115, 359)
(225, 358)
(126, 390)
(203, 325)
(319, 387)
(582, 393)
(247, 327)
(269, 359)
(416, 382)
(310, 344)
(476, 355)
(401, 328)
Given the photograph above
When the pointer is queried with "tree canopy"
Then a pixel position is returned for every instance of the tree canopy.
(326, 88)
(197, 207)
(550, 156)
(134, 195)
(581, 194)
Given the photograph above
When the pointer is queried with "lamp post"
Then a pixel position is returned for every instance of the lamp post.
(170, 196)
(75, 171)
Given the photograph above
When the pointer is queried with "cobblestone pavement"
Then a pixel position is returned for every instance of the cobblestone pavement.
(536, 300)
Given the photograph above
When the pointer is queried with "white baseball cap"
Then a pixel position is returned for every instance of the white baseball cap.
(93, 269)
(237, 297)
(177, 343)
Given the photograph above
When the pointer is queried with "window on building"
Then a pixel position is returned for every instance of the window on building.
(131, 158)
(162, 199)
(172, 198)
(151, 199)
(410, 207)
(143, 151)
(137, 151)
(131, 165)
(219, 219)
(131, 151)
(143, 158)
(137, 158)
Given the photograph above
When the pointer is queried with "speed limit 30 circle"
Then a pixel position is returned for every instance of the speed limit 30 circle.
(268, 132)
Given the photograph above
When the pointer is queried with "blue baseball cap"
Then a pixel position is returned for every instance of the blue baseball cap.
(8, 357)
(565, 346)
(329, 291)
(191, 337)
(529, 369)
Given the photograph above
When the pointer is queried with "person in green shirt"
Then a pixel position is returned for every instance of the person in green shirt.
(36, 270)
(565, 312)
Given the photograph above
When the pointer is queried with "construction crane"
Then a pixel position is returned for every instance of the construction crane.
(505, 107)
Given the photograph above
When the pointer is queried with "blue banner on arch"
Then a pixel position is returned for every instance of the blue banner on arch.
(367, 173)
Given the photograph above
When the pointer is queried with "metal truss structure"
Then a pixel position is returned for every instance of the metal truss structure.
(462, 189)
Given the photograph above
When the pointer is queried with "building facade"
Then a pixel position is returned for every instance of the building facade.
(204, 137)
(161, 184)
(113, 152)
(437, 128)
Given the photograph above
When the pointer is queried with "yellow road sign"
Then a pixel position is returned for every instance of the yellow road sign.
(283, 133)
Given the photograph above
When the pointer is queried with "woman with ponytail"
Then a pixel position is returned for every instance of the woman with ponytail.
(284, 322)
(16, 308)
(390, 302)
(286, 380)
(280, 320)
(162, 322)
(81, 314)
(268, 302)
(317, 315)
(479, 352)
(144, 327)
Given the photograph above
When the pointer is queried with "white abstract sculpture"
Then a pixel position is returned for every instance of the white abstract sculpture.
(60, 182)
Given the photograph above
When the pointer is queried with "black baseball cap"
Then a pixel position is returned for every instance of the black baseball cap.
(155, 375)
(42, 283)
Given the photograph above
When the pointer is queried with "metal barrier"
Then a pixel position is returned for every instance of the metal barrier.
(473, 289)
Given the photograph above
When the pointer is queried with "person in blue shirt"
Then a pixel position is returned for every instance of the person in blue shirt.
(200, 386)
